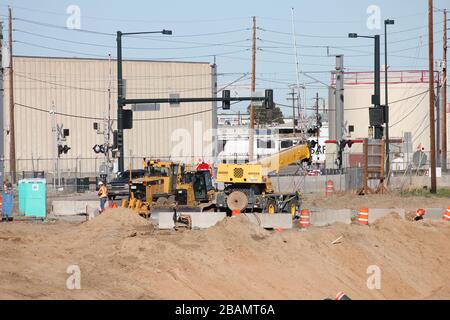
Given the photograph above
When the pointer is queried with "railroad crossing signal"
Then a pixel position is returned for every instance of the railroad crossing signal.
(63, 149)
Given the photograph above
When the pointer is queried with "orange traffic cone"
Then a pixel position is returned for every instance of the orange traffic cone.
(419, 214)
(235, 212)
(446, 215)
(342, 296)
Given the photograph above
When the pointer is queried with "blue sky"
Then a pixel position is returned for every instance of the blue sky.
(202, 29)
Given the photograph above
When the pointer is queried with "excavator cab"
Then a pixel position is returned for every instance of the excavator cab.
(195, 187)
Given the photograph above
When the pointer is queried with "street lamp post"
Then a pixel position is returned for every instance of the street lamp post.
(386, 98)
(378, 129)
(120, 93)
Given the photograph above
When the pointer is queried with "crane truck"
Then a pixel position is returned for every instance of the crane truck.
(247, 187)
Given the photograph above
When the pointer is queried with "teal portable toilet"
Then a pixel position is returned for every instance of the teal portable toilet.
(32, 198)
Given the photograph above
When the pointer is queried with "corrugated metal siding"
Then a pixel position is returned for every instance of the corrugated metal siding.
(402, 117)
(80, 87)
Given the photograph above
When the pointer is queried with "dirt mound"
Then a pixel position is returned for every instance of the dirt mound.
(120, 258)
(117, 218)
(351, 201)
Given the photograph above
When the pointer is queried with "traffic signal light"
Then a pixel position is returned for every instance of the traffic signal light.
(100, 148)
(114, 139)
(63, 149)
(119, 139)
(312, 144)
(344, 143)
(268, 99)
(127, 119)
(226, 99)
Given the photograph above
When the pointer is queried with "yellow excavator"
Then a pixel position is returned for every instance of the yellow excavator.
(247, 187)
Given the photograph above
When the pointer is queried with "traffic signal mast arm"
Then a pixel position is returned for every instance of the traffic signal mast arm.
(352, 141)
(267, 99)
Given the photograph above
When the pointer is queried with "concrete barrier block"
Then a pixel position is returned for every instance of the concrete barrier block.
(81, 206)
(202, 220)
(433, 213)
(91, 212)
(269, 221)
(63, 208)
(375, 213)
(165, 220)
(70, 207)
(326, 217)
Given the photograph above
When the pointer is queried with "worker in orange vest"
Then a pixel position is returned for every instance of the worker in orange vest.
(103, 195)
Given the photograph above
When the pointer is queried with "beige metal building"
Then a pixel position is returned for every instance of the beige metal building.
(78, 91)
(408, 113)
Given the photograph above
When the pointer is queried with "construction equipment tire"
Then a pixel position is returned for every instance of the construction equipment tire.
(237, 200)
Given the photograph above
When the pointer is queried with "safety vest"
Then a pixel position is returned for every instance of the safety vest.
(103, 192)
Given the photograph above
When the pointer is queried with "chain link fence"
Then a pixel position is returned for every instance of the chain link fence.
(405, 171)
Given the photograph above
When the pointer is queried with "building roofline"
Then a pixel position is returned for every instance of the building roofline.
(106, 59)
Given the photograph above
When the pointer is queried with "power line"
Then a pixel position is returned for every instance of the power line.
(148, 38)
(101, 118)
(132, 20)
(103, 56)
(49, 25)
(136, 48)
(409, 113)
(335, 21)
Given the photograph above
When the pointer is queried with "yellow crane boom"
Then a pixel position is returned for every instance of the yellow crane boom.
(280, 160)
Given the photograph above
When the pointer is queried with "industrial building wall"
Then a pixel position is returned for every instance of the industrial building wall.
(78, 90)
(409, 105)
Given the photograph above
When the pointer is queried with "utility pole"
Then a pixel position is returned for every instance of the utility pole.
(12, 145)
(378, 129)
(2, 146)
(386, 98)
(252, 107)
(317, 117)
(432, 97)
(339, 98)
(293, 98)
(444, 100)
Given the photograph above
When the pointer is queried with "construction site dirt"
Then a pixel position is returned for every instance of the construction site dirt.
(123, 256)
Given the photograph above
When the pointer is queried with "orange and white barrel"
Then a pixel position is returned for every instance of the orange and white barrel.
(363, 217)
(330, 188)
(446, 215)
(305, 218)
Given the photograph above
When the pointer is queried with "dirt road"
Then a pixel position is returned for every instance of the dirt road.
(122, 256)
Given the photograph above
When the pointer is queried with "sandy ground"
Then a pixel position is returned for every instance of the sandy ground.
(392, 200)
(122, 256)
